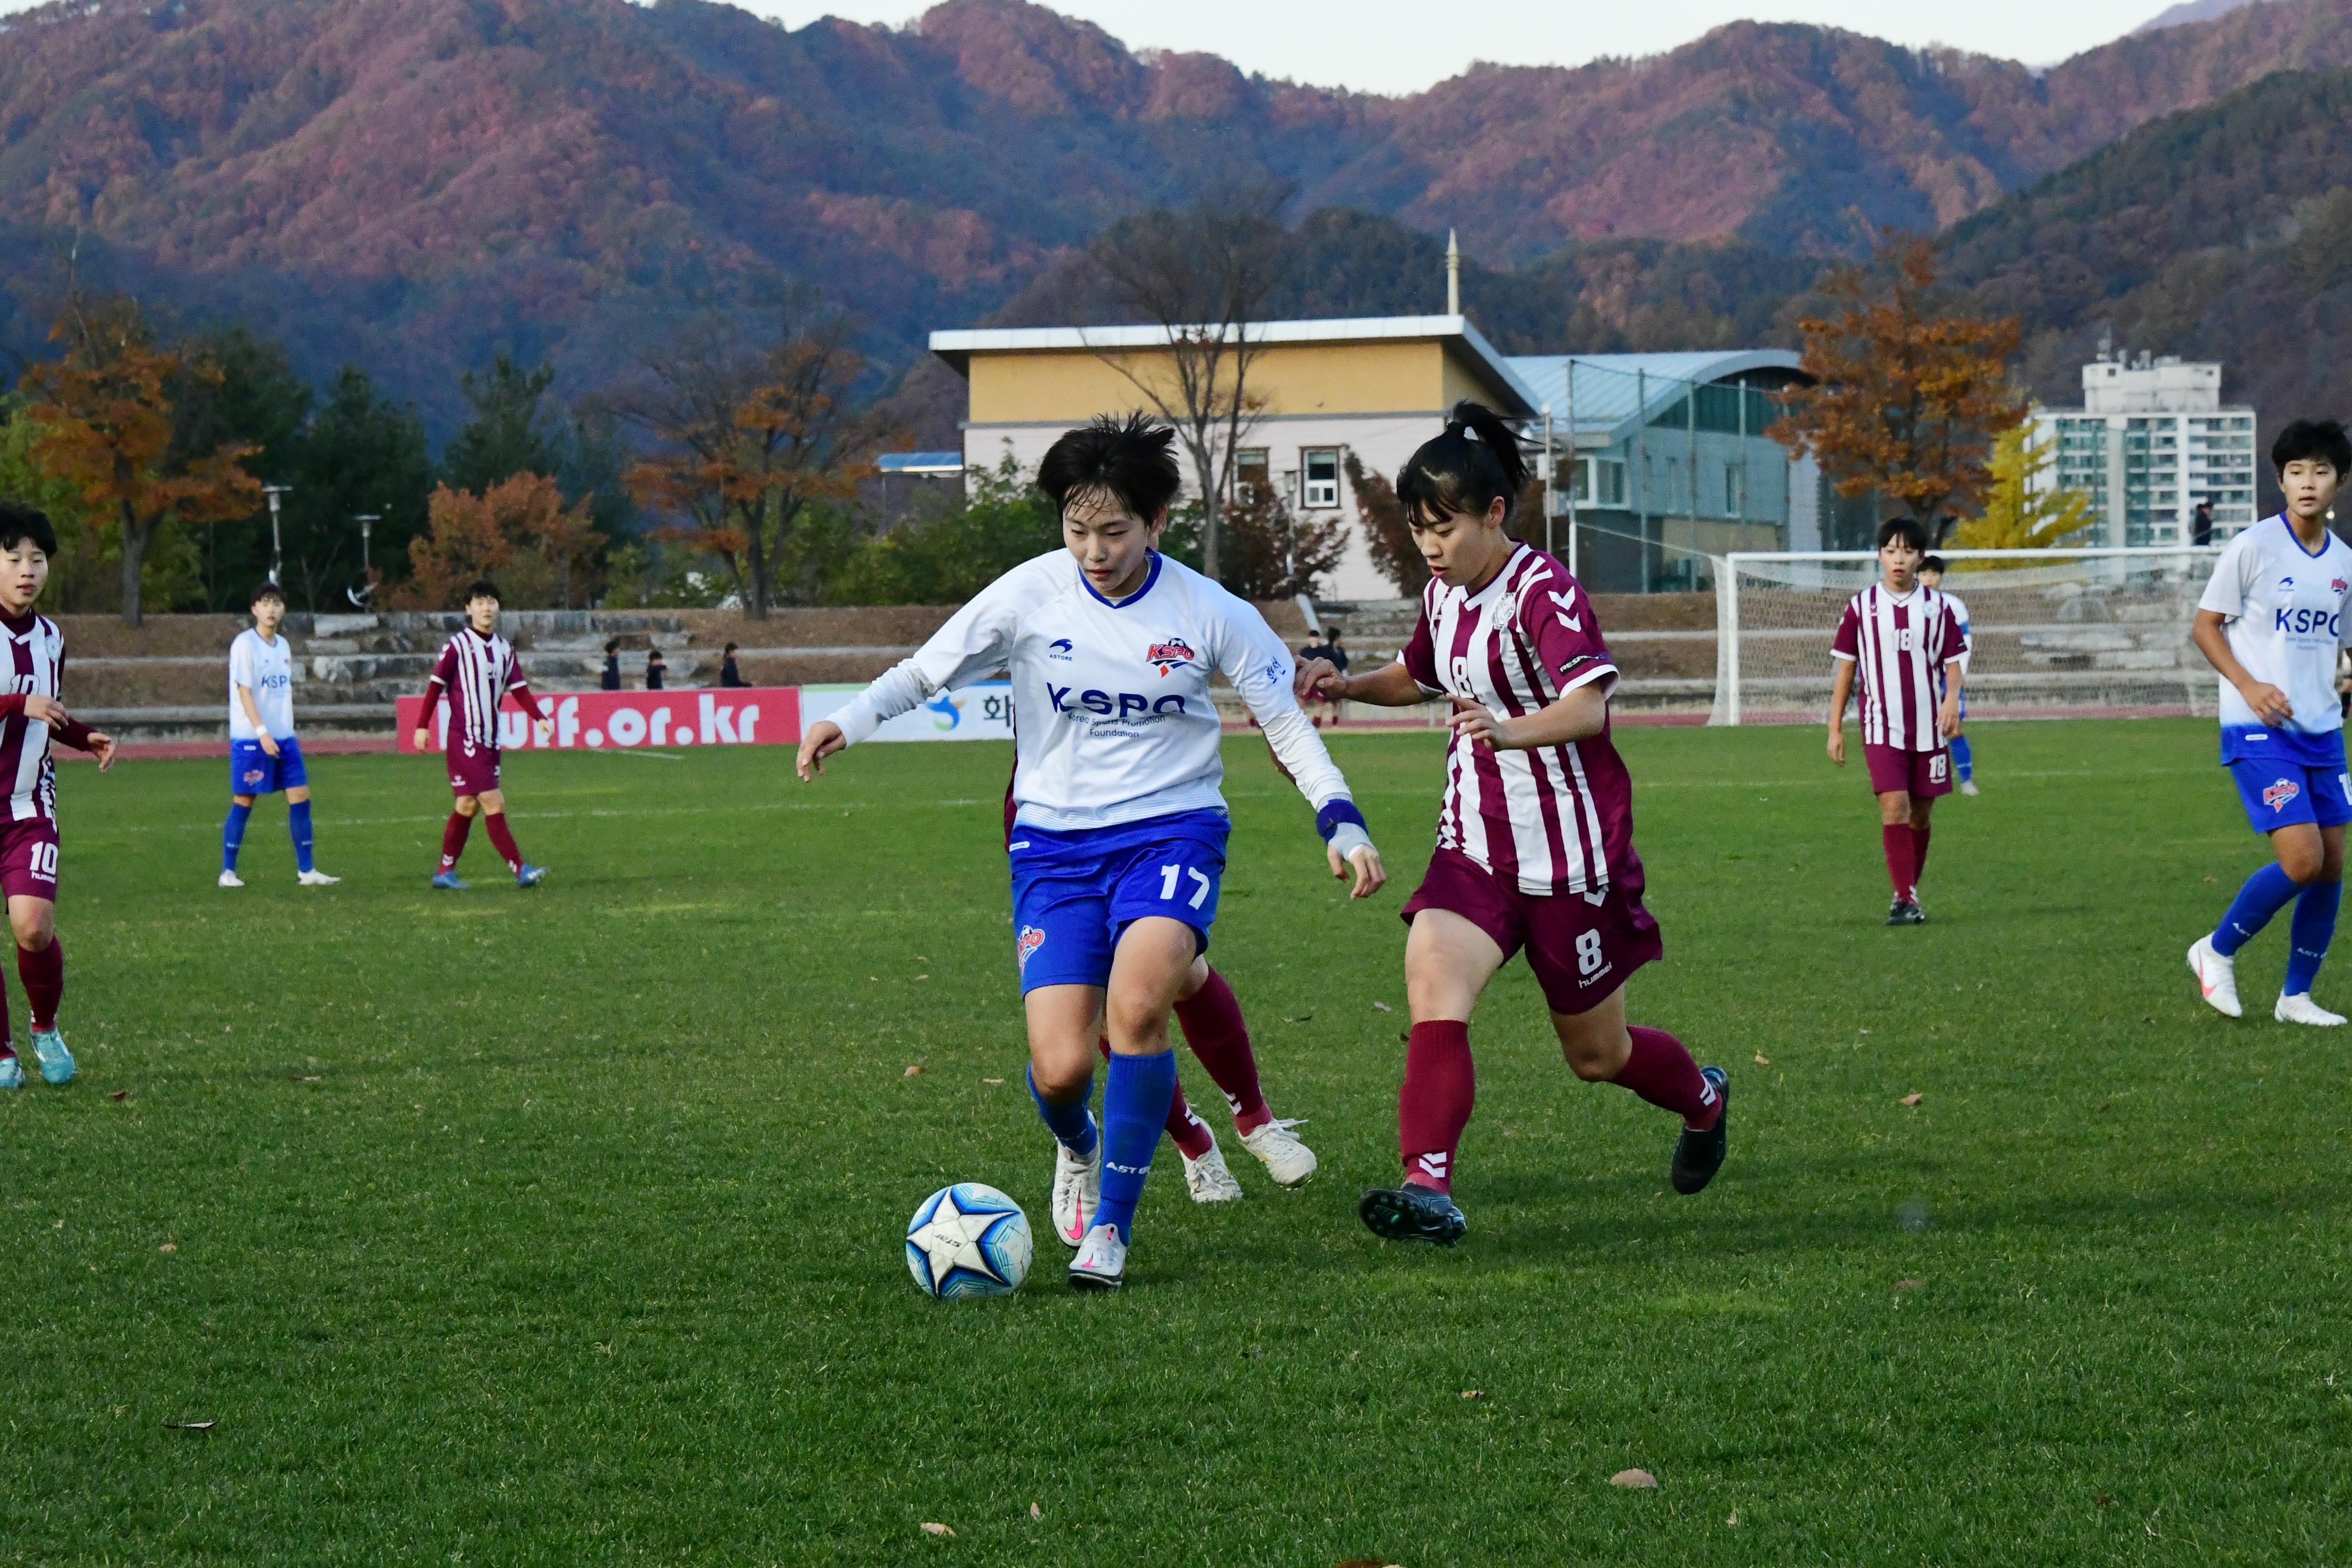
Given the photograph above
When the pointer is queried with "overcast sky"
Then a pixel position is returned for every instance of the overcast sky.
(1403, 45)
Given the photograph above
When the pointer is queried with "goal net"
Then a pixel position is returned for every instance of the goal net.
(2080, 633)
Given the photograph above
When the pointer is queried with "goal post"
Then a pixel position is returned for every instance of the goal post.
(2053, 633)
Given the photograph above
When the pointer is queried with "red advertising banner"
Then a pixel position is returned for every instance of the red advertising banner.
(739, 716)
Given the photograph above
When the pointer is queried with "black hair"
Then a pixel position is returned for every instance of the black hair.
(1903, 529)
(612, 645)
(483, 588)
(1933, 563)
(1133, 458)
(2313, 439)
(19, 523)
(730, 647)
(1464, 468)
(265, 589)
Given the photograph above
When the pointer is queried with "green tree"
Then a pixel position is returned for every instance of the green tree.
(512, 431)
(361, 453)
(947, 557)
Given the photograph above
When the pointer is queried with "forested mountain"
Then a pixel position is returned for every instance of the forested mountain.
(414, 182)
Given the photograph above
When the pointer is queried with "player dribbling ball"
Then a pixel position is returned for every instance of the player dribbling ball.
(30, 716)
(1535, 840)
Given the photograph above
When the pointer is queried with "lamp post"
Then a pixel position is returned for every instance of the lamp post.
(276, 553)
(359, 595)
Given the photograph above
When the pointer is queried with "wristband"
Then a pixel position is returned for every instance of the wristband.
(1334, 812)
(1348, 837)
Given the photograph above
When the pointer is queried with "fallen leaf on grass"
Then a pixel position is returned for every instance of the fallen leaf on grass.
(1036, 1512)
(1909, 1284)
(915, 1070)
(1913, 1098)
(120, 1094)
(1762, 1060)
(1473, 1394)
(1302, 1019)
(931, 1529)
(312, 1078)
(169, 1247)
(206, 1424)
(1405, 1039)
(2104, 1500)
(1640, 1481)
(2104, 1104)
(1734, 1519)
(922, 977)
(992, 1080)
(920, 958)
(1384, 1007)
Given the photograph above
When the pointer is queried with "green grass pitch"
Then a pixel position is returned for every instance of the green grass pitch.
(562, 1227)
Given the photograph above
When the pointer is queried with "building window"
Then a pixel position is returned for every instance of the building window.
(1735, 488)
(1320, 475)
(1249, 472)
(1596, 481)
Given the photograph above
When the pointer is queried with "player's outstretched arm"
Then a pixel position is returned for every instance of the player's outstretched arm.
(823, 739)
(1390, 686)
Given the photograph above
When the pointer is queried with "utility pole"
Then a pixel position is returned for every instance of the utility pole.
(1453, 276)
(1551, 477)
(277, 554)
(359, 596)
(1642, 462)
(1576, 466)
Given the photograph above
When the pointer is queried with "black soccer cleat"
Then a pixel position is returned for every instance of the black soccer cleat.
(1413, 1213)
(1700, 1156)
(1906, 913)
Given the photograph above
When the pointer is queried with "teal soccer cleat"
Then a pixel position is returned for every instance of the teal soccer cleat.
(448, 882)
(12, 1072)
(56, 1062)
(530, 876)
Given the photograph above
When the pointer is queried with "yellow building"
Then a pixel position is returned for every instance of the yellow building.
(1378, 387)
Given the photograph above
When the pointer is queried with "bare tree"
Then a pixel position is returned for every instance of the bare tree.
(1203, 277)
(749, 432)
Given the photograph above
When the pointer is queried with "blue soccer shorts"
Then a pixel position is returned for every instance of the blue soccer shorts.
(2280, 793)
(252, 770)
(1075, 893)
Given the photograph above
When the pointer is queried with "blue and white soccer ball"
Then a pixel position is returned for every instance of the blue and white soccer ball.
(969, 1240)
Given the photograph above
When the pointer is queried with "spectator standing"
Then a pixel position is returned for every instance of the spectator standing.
(2204, 523)
(612, 676)
(653, 669)
(730, 676)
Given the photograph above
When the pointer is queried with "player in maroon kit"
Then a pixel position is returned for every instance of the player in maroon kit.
(1897, 634)
(30, 717)
(477, 668)
(1535, 841)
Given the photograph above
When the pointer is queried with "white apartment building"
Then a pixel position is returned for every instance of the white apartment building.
(2152, 440)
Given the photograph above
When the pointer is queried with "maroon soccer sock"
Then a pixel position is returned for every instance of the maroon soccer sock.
(453, 839)
(1661, 1071)
(1441, 1084)
(44, 974)
(1213, 1024)
(1897, 836)
(1185, 1129)
(1919, 854)
(502, 840)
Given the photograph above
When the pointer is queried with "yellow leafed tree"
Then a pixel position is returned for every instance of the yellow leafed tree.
(2017, 516)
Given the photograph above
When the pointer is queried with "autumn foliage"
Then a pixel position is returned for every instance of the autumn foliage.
(1906, 402)
(2020, 512)
(105, 410)
(519, 534)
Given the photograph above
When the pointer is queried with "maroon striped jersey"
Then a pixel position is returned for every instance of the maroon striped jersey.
(1898, 646)
(477, 672)
(1558, 819)
(37, 657)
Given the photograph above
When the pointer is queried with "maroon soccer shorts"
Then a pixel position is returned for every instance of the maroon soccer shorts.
(1921, 775)
(28, 859)
(1579, 950)
(472, 769)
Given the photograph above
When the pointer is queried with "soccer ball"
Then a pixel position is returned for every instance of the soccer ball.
(969, 1240)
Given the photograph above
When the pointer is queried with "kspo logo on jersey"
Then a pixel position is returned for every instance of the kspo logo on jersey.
(1113, 704)
(1030, 940)
(1171, 655)
(2278, 794)
(2309, 623)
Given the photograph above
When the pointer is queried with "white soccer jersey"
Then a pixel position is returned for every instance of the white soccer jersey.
(2283, 608)
(267, 669)
(1112, 719)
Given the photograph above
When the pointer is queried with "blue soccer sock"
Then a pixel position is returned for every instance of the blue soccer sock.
(1072, 1124)
(298, 824)
(1136, 1099)
(2266, 892)
(2314, 928)
(233, 834)
(1961, 762)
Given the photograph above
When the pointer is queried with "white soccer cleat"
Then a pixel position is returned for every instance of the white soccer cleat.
(2216, 977)
(231, 880)
(2302, 1009)
(1208, 1180)
(1278, 1148)
(1969, 786)
(1101, 1262)
(1078, 1192)
(317, 879)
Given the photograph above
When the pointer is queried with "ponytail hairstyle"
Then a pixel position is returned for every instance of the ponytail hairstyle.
(1132, 458)
(1464, 468)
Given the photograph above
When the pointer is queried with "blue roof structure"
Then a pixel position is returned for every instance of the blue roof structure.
(1605, 386)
